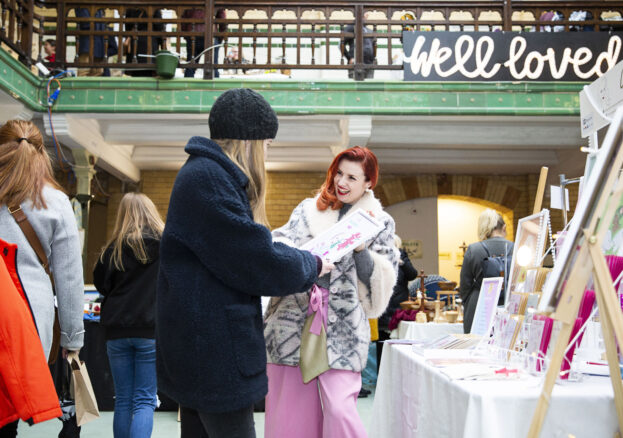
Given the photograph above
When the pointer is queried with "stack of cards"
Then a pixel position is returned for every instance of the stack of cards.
(538, 341)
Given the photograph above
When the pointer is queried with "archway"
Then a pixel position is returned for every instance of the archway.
(429, 223)
(457, 219)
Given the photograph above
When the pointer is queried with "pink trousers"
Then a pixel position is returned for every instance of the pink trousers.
(326, 407)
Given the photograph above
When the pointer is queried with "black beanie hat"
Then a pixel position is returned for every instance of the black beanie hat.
(242, 114)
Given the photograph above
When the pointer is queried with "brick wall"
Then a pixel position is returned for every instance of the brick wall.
(556, 215)
(514, 192)
(286, 189)
(115, 192)
(158, 184)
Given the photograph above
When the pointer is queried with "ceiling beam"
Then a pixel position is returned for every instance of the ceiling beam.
(359, 130)
(79, 133)
(11, 108)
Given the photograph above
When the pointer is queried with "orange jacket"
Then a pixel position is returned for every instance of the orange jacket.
(26, 387)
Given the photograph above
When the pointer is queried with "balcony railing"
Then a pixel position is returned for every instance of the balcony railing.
(269, 35)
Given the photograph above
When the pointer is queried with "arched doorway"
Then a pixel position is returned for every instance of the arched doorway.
(457, 224)
(438, 226)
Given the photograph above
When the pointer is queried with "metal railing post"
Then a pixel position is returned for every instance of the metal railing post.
(359, 72)
(61, 37)
(208, 68)
(508, 16)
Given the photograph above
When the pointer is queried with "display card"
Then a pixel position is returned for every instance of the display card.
(343, 237)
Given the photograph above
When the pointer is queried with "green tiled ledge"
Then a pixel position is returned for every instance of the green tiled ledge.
(373, 97)
(20, 83)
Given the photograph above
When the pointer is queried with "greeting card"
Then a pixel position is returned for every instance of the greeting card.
(497, 328)
(556, 326)
(534, 337)
(541, 276)
(517, 322)
(566, 363)
(343, 237)
(487, 302)
(517, 303)
(533, 301)
(540, 336)
(509, 333)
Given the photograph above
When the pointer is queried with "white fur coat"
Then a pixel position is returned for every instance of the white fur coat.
(351, 302)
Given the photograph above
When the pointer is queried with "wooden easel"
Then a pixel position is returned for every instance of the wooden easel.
(589, 260)
(540, 191)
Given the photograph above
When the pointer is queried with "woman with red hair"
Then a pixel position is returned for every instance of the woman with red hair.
(358, 288)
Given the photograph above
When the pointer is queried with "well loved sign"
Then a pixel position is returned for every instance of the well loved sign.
(509, 56)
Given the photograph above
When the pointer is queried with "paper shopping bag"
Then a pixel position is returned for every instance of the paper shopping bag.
(314, 359)
(86, 405)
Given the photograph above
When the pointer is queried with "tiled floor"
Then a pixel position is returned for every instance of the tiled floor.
(165, 424)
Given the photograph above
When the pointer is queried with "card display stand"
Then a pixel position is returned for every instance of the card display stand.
(582, 257)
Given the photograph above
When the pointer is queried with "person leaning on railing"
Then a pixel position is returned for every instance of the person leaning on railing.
(84, 45)
(49, 47)
(368, 48)
(139, 47)
(199, 14)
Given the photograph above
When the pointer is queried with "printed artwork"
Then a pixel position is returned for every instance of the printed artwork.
(487, 302)
(344, 236)
(530, 243)
(591, 213)
(413, 248)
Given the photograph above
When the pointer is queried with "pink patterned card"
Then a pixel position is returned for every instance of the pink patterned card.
(566, 363)
(546, 324)
(343, 237)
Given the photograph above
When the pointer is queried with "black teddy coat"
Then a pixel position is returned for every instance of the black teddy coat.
(215, 263)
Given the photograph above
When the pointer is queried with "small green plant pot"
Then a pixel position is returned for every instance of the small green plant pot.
(166, 63)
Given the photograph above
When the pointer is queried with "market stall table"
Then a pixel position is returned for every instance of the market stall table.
(426, 330)
(414, 399)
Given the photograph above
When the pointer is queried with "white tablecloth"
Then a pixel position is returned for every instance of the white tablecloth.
(414, 399)
(426, 330)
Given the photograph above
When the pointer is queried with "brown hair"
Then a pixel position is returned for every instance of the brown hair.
(357, 154)
(25, 166)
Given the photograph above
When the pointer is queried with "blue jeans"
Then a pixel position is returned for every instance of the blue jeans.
(199, 47)
(133, 366)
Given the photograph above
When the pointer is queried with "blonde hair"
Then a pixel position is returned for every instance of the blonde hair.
(25, 166)
(137, 217)
(489, 221)
(248, 155)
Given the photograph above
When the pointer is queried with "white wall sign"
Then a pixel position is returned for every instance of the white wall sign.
(599, 100)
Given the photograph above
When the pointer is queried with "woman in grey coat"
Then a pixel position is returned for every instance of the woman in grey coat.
(492, 235)
(26, 180)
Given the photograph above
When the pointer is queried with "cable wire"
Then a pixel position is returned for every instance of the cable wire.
(51, 100)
